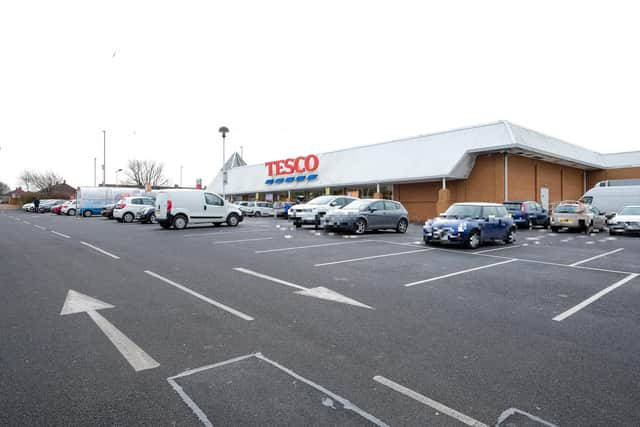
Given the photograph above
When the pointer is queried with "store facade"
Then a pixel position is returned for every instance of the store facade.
(492, 163)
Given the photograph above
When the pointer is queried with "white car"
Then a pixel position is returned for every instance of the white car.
(127, 209)
(260, 209)
(178, 208)
(313, 211)
(28, 207)
(69, 208)
(625, 221)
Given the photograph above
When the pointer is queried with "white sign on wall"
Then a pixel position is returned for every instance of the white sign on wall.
(544, 197)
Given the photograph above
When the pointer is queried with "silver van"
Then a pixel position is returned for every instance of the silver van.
(611, 199)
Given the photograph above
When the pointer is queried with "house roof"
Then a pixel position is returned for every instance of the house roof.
(450, 154)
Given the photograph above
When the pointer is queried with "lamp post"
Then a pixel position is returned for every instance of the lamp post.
(104, 157)
(224, 131)
(180, 176)
(117, 170)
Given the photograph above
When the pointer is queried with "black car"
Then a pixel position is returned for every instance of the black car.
(368, 214)
(147, 215)
(107, 210)
(46, 205)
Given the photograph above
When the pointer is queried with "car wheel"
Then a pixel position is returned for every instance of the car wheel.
(233, 220)
(216, 224)
(402, 226)
(530, 224)
(360, 226)
(555, 229)
(547, 224)
(473, 241)
(127, 217)
(180, 222)
(588, 229)
(152, 219)
(511, 236)
(87, 213)
(612, 233)
(257, 213)
(71, 212)
(165, 225)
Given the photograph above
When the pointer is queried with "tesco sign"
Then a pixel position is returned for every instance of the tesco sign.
(301, 164)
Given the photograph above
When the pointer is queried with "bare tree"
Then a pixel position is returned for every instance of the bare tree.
(140, 172)
(4, 188)
(41, 181)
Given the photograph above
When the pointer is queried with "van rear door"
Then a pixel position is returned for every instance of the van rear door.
(161, 205)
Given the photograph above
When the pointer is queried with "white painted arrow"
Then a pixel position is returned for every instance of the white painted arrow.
(318, 292)
(78, 303)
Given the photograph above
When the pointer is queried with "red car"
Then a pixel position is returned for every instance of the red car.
(56, 209)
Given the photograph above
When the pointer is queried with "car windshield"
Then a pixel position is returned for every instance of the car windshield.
(322, 200)
(587, 199)
(513, 206)
(357, 205)
(630, 210)
(569, 209)
(464, 211)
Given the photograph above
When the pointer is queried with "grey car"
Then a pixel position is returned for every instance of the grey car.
(368, 214)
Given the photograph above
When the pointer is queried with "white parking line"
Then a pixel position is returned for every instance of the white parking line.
(102, 251)
(200, 296)
(457, 273)
(594, 297)
(216, 233)
(310, 246)
(596, 257)
(272, 279)
(243, 240)
(465, 419)
(60, 234)
(40, 227)
(498, 249)
(344, 261)
(27, 222)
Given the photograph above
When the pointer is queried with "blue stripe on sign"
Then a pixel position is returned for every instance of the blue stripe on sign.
(300, 178)
(279, 180)
(289, 179)
(312, 177)
(269, 182)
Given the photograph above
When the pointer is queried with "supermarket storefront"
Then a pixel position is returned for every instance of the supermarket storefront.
(494, 162)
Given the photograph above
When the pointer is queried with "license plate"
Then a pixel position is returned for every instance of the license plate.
(157, 212)
(565, 220)
(444, 237)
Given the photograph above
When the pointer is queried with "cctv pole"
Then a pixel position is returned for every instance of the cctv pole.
(104, 158)
(224, 131)
(95, 182)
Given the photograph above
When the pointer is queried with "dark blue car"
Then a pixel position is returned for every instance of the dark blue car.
(527, 214)
(471, 224)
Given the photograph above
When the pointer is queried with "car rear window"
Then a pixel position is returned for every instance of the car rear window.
(514, 206)
(568, 209)
(630, 210)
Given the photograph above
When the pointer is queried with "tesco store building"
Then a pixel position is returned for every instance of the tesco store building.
(490, 163)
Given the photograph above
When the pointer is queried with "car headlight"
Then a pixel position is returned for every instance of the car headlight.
(461, 227)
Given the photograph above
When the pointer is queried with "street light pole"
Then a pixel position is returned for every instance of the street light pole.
(117, 170)
(224, 131)
(104, 158)
(95, 182)
(180, 176)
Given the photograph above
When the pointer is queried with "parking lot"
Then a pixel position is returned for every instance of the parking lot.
(267, 324)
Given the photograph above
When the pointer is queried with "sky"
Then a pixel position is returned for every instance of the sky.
(293, 78)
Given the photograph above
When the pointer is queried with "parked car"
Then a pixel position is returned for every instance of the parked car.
(147, 215)
(47, 205)
(179, 208)
(245, 207)
(127, 209)
(69, 208)
(368, 214)
(262, 209)
(107, 210)
(625, 221)
(471, 224)
(313, 211)
(57, 208)
(576, 215)
(611, 198)
(527, 213)
(28, 207)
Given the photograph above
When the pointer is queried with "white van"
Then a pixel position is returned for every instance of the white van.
(611, 199)
(178, 208)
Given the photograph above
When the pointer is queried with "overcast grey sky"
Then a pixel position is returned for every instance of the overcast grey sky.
(297, 77)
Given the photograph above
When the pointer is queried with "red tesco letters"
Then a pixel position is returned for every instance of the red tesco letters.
(288, 166)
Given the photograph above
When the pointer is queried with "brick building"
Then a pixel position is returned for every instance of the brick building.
(493, 162)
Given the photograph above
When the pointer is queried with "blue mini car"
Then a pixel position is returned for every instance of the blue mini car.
(471, 224)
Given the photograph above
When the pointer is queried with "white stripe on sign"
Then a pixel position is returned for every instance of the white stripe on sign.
(344, 261)
(102, 251)
(311, 246)
(60, 234)
(596, 257)
(459, 272)
(243, 240)
(594, 298)
(465, 419)
(200, 296)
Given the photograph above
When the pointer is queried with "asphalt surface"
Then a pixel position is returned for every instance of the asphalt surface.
(471, 339)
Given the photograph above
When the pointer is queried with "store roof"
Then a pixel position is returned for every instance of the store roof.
(449, 154)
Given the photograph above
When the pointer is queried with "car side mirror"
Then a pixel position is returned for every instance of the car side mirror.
(332, 204)
(372, 210)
